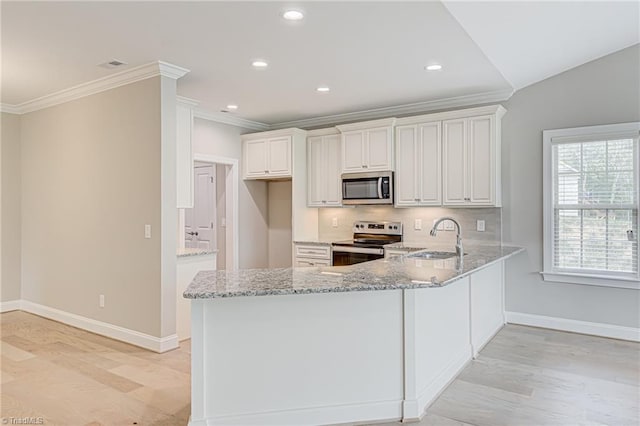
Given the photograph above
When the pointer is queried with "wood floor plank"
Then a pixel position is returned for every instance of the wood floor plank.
(524, 376)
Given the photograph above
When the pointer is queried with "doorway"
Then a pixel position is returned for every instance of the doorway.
(200, 228)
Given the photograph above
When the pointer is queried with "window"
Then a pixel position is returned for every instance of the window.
(591, 205)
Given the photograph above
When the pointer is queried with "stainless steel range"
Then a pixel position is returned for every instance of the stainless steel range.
(369, 239)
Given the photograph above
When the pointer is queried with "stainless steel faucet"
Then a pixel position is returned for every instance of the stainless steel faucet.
(434, 232)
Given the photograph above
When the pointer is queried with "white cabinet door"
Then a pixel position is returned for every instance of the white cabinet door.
(184, 157)
(255, 158)
(454, 161)
(407, 170)
(333, 170)
(353, 152)
(379, 149)
(430, 164)
(279, 156)
(316, 160)
(481, 160)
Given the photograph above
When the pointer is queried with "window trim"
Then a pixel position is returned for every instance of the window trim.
(578, 134)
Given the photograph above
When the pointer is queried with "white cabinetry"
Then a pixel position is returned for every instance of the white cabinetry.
(324, 168)
(418, 178)
(471, 161)
(450, 158)
(184, 153)
(367, 146)
(312, 255)
(268, 158)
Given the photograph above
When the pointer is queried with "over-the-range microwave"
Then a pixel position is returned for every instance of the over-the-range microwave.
(367, 188)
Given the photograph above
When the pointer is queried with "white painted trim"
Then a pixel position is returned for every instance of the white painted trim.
(362, 413)
(575, 326)
(11, 305)
(191, 103)
(9, 109)
(146, 341)
(428, 394)
(407, 109)
(229, 118)
(549, 138)
(109, 82)
(274, 134)
(363, 125)
(235, 177)
(498, 110)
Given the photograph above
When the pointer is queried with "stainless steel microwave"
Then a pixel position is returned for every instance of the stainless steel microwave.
(367, 188)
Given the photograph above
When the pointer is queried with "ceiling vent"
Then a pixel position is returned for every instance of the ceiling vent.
(114, 63)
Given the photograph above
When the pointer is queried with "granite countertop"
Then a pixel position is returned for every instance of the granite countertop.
(399, 272)
(188, 252)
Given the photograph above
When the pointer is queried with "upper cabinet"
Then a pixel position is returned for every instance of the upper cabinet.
(184, 153)
(450, 158)
(367, 146)
(471, 162)
(418, 177)
(267, 157)
(324, 168)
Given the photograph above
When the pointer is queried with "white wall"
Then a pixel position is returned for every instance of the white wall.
(91, 179)
(223, 140)
(604, 91)
(10, 211)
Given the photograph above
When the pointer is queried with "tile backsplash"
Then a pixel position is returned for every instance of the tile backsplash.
(467, 218)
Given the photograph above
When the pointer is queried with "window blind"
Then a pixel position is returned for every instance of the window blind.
(595, 202)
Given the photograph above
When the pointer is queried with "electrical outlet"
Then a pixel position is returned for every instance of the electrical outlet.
(448, 225)
(480, 225)
(223, 222)
(334, 222)
(417, 225)
(101, 302)
(147, 231)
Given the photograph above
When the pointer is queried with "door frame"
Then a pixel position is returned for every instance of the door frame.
(232, 209)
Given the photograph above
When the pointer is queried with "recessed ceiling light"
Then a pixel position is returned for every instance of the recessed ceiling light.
(434, 67)
(323, 89)
(231, 106)
(259, 64)
(293, 15)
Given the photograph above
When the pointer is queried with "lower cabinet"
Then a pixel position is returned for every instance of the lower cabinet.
(312, 255)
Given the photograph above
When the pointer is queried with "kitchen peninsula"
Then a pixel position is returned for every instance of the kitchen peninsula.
(323, 347)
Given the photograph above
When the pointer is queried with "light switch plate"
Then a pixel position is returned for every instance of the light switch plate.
(334, 222)
(147, 231)
(480, 225)
(417, 225)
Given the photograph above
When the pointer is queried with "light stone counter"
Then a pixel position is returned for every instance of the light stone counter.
(401, 272)
(188, 252)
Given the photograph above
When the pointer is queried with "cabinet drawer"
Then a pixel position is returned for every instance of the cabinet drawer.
(391, 252)
(318, 252)
(302, 262)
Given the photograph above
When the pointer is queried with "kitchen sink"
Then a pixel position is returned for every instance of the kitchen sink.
(433, 255)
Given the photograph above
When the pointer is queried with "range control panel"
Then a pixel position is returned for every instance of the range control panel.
(387, 228)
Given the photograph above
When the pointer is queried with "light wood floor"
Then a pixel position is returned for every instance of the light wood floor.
(525, 376)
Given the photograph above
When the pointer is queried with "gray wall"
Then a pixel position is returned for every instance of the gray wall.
(10, 260)
(604, 91)
(91, 180)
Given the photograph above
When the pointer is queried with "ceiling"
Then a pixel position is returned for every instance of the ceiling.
(371, 54)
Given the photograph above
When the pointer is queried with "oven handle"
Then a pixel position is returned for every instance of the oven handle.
(380, 188)
(363, 250)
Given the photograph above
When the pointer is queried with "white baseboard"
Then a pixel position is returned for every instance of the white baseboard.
(433, 390)
(11, 305)
(126, 335)
(575, 326)
(364, 413)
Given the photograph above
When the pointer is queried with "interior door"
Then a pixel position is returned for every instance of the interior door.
(200, 220)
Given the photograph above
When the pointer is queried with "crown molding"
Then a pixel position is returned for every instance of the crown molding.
(9, 109)
(112, 81)
(187, 101)
(293, 131)
(234, 120)
(398, 110)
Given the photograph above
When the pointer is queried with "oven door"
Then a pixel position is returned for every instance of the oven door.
(344, 255)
